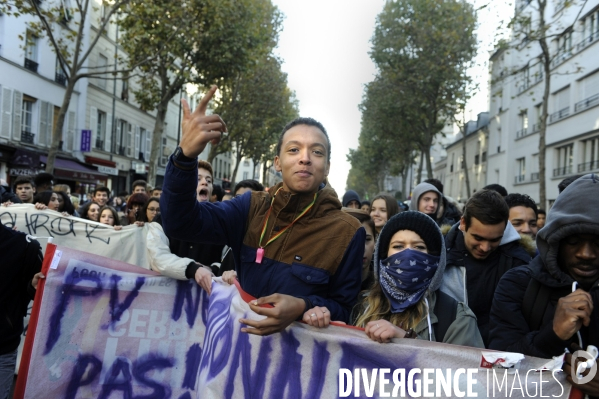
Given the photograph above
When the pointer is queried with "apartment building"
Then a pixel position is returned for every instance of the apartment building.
(107, 137)
(517, 84)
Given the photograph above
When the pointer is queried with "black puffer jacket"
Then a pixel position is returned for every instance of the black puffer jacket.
(571, 214)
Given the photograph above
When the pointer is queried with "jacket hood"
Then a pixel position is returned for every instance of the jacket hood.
(509, 234)
(437, 278)
(349, 196)
(572, 213)
(419, 190)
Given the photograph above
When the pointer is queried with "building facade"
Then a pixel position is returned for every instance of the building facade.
(517, 84)
(107, 138)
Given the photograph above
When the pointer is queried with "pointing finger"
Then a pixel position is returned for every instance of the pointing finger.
(203, 105)
(186, 110)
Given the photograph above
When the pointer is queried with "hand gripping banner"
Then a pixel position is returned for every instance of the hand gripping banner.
(101, 328)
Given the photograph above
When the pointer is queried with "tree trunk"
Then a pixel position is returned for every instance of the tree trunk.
(419, 175)
(546, 59)
(155, 152)
(57, 132)
(264, 172)
(404, 180)
(429, 165)
(465, 163)
(237, 162)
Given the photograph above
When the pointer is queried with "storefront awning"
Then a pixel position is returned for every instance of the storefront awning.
(71, 170)
(100, 161)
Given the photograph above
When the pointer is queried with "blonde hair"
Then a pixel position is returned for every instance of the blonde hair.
(62, 187)
(74, 201)
(375, 306)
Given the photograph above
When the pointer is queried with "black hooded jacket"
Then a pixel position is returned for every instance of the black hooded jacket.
(571, 214)
(20, 261)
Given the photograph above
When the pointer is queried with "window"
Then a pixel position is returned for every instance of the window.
(102, 64)
(125, 88)
(537, 117)
(59, 76)
(590, 92)
(561, 104)
(590, 29)
(100, 130)
(564, 160)
(246, 162)
(31, 44)
(27, 120)
(122, 132)
(590, 155)
(521, 170)
(246, 175)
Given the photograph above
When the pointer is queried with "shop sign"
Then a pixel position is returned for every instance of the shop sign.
(107, 170)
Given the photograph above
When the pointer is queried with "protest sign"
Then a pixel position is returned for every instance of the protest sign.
(127, 245)
(103, 328)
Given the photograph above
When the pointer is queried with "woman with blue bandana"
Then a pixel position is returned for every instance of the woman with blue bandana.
(404, 300)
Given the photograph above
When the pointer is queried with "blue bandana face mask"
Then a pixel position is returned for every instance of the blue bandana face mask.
(405, 277)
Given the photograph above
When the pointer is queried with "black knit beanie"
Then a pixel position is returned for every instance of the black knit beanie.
(417, 222)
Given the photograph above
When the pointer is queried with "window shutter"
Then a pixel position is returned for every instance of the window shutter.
(563, 99)
(69, 138)
(108, 134)
(44, 127)
(118, 136)
(6, 113)
(93, 125)
(148, 145)
(16, 114)
(137, 142)
(129, 141)
(50, 124)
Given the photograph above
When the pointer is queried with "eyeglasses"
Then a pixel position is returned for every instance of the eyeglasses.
(154, 210)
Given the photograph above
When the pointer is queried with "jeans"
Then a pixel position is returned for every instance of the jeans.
(7, 372)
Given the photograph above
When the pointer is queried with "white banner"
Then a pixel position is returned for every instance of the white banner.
(127, 245)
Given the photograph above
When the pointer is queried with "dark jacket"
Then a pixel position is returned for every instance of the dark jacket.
(318, 258)
(474, 281)
(20, 261)
(571, 214)
(451, 214)
(206, 254)
(7, 195)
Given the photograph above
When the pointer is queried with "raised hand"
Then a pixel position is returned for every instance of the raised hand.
(198, 129)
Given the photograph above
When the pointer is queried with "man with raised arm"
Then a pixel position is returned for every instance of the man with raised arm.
(293, 246)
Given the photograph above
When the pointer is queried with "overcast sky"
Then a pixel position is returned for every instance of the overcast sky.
(324, 46)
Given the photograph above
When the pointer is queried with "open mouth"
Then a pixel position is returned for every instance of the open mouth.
(203, 194)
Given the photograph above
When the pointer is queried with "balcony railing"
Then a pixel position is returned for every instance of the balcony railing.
(31, 65)
(588, 166)
(534, 176)
(536, 127)
(587, 103)
(519, 179)
(521, 133)
(561, 114)
(587, 40)
(100, 144)
(561, 57)
(60, 78)
(564, 170)
(27, 137)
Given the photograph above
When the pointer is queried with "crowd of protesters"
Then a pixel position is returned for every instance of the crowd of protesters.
(497, 273)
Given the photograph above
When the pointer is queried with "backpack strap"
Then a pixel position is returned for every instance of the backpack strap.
(535, 301)
(446, 310)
